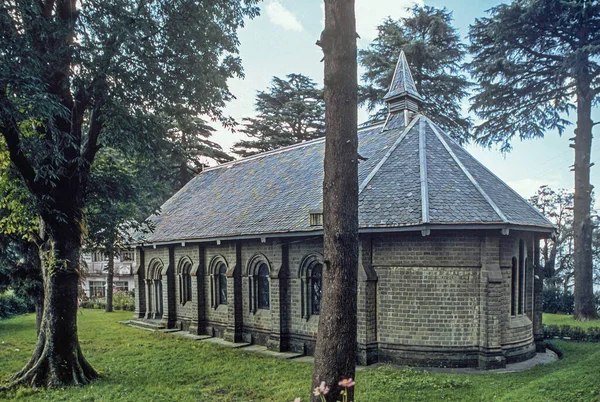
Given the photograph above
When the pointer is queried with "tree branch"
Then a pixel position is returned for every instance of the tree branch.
(10, 131)
(90, 147)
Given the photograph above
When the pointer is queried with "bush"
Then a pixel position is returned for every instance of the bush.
(11, 305)
(573, 333)
(555, 301)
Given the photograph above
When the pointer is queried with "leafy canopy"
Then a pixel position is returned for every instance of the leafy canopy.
(289, 112)
(435, 54)
(529, 57)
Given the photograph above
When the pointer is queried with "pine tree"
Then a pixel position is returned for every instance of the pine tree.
(532, 59)
(289, 112)
(435, 54)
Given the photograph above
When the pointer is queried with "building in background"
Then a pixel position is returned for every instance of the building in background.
(95, 267)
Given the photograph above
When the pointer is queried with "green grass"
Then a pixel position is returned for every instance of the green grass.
(142, 366)
(564, 319)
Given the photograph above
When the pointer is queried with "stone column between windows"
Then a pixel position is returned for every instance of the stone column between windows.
(169, 293)
(367, 304)
(199, 299)
(538, 332)
(491, 307)
(233, 332)
(279, 275)
(140, 285)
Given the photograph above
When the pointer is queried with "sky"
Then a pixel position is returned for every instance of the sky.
(282, 41)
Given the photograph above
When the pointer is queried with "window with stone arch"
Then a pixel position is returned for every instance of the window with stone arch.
(222, 271)
(311, 284)
(518, 270)
(184, 276)
(217, 271)
(259, 283)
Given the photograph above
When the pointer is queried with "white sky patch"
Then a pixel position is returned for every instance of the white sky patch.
(279, 15)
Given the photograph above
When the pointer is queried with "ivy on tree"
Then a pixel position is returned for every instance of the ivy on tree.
(289, 112)
(81, 73)
(435, 54)
(535, 61)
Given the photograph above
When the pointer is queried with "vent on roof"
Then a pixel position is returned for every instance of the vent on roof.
(316, 218)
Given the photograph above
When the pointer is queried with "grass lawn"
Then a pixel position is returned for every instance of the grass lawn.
(564, 319)
(142, 366)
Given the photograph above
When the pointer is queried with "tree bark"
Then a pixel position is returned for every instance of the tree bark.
(585, 306)
(335, 353)
(109, 280)
(57, 360)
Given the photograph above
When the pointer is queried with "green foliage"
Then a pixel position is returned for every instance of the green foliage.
(572, 332)
(289, 112)
(528, 58)
(556, 300)
(11, 305)
(564, 319)
(435, 53)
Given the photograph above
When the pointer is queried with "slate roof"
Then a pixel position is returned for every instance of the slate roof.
(414, 176)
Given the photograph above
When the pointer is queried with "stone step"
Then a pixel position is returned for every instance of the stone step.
(228, 344)
(169, 330)
(187, 334)
(279, 355)
(154, 325)
(139, 327)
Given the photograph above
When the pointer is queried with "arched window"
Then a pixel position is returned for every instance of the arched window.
(217, 271)
(184, 270)
(311, 284)
(262, 281)
(521, 286)
(316, 286)
(222, 283)
(513, 287)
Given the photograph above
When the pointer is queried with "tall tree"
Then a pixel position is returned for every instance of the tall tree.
(556, 253)
(435, 54)
(535, 61)
(79, 73)
(335, 353)
(289, 112)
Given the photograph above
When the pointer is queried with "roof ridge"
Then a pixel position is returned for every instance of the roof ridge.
(498, 178)
(423, 172)
(368, 179)
(468, 174)
(279, 150)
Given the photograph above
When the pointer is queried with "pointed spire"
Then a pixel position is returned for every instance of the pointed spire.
(402, 97)
(402, 83)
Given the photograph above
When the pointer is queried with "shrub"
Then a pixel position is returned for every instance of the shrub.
(11, 305)
(556, 301)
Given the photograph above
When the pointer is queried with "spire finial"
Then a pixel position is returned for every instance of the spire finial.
(403, 96)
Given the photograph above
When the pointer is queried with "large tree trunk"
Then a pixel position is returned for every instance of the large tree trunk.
(57, 360)
(585, 306)
(335, 354)
(109, 280)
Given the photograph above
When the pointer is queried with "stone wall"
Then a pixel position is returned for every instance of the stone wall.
(442, 299)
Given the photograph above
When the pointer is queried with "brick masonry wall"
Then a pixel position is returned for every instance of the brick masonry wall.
(428, 306)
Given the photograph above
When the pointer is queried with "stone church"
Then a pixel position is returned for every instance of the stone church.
(448, 272)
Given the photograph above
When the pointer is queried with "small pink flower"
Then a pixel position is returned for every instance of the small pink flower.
(346, 383)
(321, 389)
(297, 400)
